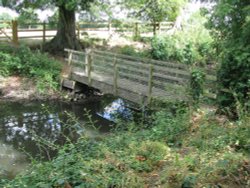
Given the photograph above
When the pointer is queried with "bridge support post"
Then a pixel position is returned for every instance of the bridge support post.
(150, 83)
(70, 55)
(88, 62)
(44, 32)
(115, 77)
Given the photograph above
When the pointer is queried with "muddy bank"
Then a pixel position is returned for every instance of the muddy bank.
(16, 88)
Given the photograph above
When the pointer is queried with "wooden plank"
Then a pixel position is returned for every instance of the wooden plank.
(150, 83)
(36, 36)
(44, 32)
(115, 76)
(142, 60)
(74, 51)
(74, 61)
(68, 84)
(142, 66)
(137, 74)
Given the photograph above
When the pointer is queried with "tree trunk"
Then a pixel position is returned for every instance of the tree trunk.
(66, 33)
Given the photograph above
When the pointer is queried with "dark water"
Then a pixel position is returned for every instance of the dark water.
(26, 127)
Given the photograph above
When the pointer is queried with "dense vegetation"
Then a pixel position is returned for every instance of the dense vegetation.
(230, 26)
(35, 65)
(177, 149)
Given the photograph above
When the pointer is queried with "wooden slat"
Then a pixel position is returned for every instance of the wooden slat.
(37, 36)
(139, 68)
(162, 69)
(142, 60)
(74, 51)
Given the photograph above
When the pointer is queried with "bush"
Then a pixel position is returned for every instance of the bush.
(234, 79)
(8, 64)
(197, 84)
(24, 62)
(192, 45)
(169, 128)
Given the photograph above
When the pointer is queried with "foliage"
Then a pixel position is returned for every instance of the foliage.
(36, 65)
(230, 26)
(52, 20)
(27, 16)
(131, 51)
(197, 84)
(155, 10)
(175, 152)
(5, 16)
(192, 45)
(7, 64)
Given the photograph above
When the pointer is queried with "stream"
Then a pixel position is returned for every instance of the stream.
(25, 127)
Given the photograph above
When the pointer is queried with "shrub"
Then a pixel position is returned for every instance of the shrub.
(234, 74)
(163, 48)
(169, 128)
(197, 84)
(31, 64)
(8, 64)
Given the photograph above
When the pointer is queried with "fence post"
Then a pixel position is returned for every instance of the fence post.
(88, 62)
(159, 29)
(15, 32)
(70, 56)
(115, 76)
(110, 27)
(150, 83)
(44, 32)
(136, 34)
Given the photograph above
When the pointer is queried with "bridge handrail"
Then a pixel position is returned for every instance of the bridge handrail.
(142, 71)
(143, 60)
(175, 76)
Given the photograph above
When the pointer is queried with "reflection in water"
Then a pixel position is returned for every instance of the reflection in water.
(11, 161)
(116, 109)
(22, 124)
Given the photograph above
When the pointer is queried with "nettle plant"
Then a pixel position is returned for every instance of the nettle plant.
(197, 84)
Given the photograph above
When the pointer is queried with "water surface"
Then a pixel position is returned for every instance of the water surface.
(26, 127)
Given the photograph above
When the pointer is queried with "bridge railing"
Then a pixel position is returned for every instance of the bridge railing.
(156, 77)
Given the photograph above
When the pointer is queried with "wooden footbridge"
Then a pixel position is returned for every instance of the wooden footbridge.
(134, 79)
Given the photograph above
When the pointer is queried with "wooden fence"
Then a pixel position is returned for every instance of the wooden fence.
(14, 31)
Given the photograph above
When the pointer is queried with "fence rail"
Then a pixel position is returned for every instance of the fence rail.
(15, 31)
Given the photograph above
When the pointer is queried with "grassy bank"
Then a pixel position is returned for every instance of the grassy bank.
(181, 149)
(43, 71)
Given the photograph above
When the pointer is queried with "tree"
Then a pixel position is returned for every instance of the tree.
(155, 10)
(66, 35)
(230, 26)
(27, 17)
(5, 16)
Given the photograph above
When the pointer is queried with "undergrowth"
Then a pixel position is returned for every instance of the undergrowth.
(32, 64)
(181, 149)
